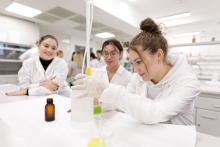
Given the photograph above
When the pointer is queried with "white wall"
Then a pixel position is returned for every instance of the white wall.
(68, 49)
(18, 31)
(81, 41)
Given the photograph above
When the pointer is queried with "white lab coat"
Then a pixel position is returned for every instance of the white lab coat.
(94, 63)
(29, 53)
(121, 77)
(32, 73)
(173, 103)
(101, 62)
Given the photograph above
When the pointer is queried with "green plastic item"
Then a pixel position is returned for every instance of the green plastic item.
(97, 110)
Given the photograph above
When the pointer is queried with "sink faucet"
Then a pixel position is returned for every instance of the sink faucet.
(200, 69)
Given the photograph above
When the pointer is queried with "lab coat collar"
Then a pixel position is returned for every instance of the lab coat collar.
(52, 64)
(40, 67)
(119, 70)
(105, 74)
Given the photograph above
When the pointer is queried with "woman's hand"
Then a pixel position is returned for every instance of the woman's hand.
(50, 85)
(21, 92)
(92, 86)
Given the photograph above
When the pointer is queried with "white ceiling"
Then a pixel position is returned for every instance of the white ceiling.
(205, 15)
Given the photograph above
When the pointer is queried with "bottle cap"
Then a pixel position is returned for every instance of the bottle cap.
(49, 100)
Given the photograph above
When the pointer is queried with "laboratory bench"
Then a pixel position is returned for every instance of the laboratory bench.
(22, 125)
(207, 109)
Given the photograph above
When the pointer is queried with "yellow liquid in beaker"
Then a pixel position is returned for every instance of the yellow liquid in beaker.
(95, 142)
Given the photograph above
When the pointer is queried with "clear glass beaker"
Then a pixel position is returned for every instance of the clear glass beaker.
(97, 136)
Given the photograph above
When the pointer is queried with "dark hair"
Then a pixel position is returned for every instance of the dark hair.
(113, 42)
(150, 38)
(99, 51)
(72, 56)
(92, 55)
(48, 36)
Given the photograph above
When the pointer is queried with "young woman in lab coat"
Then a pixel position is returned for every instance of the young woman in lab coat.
(44, 74)
(113, 72)
(94, 63)
(75, 67)
(163, 88)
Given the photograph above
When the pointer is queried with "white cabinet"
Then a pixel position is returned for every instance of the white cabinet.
(9, 79)
(194, 115)
(207, 114)
(208, 122)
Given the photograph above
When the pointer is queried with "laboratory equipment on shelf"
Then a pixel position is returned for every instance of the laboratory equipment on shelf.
(194, 39)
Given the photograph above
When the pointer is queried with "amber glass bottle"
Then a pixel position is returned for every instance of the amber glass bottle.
(194, 39)
(49, 110)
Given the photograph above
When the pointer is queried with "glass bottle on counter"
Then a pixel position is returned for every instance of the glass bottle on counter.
(49, 110)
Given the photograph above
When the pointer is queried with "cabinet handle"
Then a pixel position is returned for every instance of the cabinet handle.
(210, 117)
(216, 106)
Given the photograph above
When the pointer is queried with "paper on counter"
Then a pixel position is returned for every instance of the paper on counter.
(26, 117)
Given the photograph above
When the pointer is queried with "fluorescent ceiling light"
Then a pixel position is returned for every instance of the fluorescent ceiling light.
(22, 10)
(173, 17)
(131, 0)
(105, 35)
(187, 34)
(66, 41)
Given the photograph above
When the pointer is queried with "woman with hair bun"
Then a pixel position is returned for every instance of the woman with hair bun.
(163, 87)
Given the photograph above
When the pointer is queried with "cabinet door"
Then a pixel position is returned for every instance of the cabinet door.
(194, 115)
(207, 103)
(208, 122)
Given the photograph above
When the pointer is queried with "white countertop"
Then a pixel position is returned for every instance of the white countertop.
(27, 121)
(8, 138)
(210, 88)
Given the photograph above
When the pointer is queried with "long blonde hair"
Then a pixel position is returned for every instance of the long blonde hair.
(78, 58)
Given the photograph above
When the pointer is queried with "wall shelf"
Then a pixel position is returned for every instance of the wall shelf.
(16, 44)
(8, 60)
(203, 59)
(195, 44)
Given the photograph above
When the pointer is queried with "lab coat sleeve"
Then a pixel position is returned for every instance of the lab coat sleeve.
(24, 56)
(127, 80)
(24, 76)
(130, 88)
(105, 106)
(152, 112)
(60, 72)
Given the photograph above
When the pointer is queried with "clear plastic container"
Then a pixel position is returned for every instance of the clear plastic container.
(81, 109)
